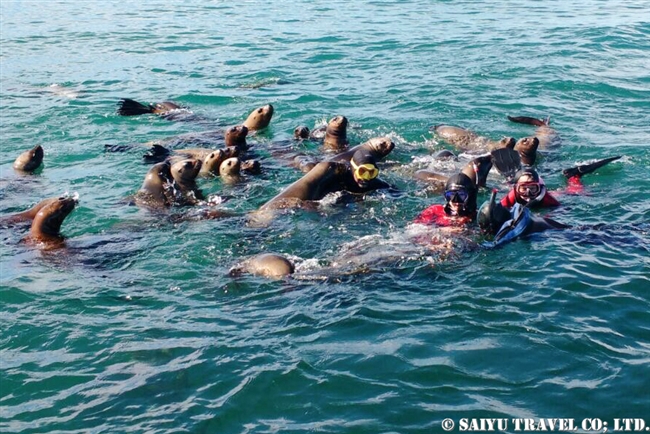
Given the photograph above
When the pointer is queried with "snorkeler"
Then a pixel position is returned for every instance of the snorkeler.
(460, 207)
(529, 188)
(358, 176)
(508, 225)
(363, 174)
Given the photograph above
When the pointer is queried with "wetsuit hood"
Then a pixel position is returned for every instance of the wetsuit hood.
(457, 182)
(529, 171)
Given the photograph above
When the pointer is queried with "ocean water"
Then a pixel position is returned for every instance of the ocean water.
(136, 325)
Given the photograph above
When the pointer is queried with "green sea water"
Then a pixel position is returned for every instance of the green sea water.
(136, 325)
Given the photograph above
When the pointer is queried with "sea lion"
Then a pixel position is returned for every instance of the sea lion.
(47, 223)
(158, 188)
(431, 177)
(129, 107)
(211, 159)
(336, 137)
(229, 170)
(445, 154)
(236, 137)
(259, 118)
(547, 135)
(184, 173)
(266, 265)
(301, 132)
(467, 140)
(29, 160)
(27, 216)
(477, 170)
(527, 149)
(378, 147)
(251, 166)
(314, 185)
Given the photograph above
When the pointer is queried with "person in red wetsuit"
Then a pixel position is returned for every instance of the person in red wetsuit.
(460, 207)
(529, 188)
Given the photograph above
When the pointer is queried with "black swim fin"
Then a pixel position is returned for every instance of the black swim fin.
(583, 169)
(506, 161)
(529, 120)
(129, 107)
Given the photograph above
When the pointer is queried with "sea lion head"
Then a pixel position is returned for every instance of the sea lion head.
(236, 137)
(337, 126)
(301, 132)
(29, 160)
(266, 265)
(158, 187)
(230, 167)
(156, 177)
(165, 107)
(49, 219)
(259, 118)
(251, 166)
(380, 146)
(186, 171)
(336, 136)
(212, 161)
(527, 148)
(507, 142)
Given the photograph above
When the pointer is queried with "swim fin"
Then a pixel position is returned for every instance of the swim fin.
(129, 107)
(583, 169)
(506, 161)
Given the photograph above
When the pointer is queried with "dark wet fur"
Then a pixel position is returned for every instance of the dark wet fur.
(529, 121)
(156, 154)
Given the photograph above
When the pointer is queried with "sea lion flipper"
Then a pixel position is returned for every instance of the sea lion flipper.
(156, 154)
(507, 161)
(118, 148)
(583, 169)
(529, 120)
(129, 107)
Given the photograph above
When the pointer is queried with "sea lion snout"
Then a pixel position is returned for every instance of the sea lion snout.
(301, 132)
